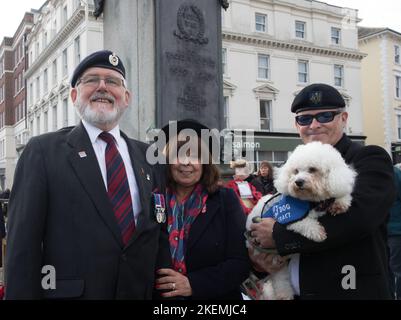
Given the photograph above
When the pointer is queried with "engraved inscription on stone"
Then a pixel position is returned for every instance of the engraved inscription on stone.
(189, 51)
(191, 24)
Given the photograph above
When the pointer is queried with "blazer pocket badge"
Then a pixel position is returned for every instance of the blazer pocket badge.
(160, 207)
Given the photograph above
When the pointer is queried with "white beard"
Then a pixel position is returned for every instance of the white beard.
(99, 117)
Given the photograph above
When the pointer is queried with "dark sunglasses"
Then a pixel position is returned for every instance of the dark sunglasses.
(322, 117)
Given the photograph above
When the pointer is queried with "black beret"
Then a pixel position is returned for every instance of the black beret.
(102, 59)
(317, 96)
(197, 127)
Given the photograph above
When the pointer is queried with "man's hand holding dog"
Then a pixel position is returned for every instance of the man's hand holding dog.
(262, 233)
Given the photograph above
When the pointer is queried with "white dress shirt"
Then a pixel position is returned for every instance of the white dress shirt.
(99, 147)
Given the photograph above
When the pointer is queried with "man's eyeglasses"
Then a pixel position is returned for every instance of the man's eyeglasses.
(94, 81)
(322, 117)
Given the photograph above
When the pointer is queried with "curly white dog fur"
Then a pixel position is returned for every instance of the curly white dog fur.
(314, 172)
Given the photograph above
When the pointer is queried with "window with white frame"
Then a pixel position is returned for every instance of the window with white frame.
(65, 112)
(45, 122)
(300, 29)
(226, 115)
(54, 70)
(338, 75)
(335, 35)
(1, 94)
(265, 115)
(398, 87)
(77, 48)
(45, 82)
(399, 126)
(44, 43)
(16, 86)
(263, 66)
(303, 71)
(36, 49)
(224, 60)
(1, 68)
(38, 125)
(37, 89)
(65, 63)
(260, 22)
(64, 16)
(397, 54)
(31, 93)
(54, 118)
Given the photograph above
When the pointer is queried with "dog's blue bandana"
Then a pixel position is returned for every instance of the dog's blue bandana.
(285, 209)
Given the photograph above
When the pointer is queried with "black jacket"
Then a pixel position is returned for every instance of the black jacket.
(60, 215)
(264, 185)
(356, 238)
(2, 224)
(216, 257)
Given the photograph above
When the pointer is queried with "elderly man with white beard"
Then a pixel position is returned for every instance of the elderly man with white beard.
(81, 220)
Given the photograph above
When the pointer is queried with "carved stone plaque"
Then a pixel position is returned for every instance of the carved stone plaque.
(188, 61)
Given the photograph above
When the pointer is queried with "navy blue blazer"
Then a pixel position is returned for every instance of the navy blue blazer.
(216, 256)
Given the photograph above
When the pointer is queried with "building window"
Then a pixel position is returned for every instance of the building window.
(37, 125)
(45, 122)
(65, 113)
(338, 75)
(64, 15)
(65, 63)
(260, 22)
(226, 115)
(15, 86)
(1, 94)
(77, 48)
(276, 158)
(265, 115)
(54, 113)
(335, 35)
(224, 60)
(397, 54)
(399, 126)
(397, 86)
(45, 82)
(44, 40)
(37, 88)
(31, 93)
(37, 50)
(54, 67)
(263, 66)
(303, 71)
(300, 29)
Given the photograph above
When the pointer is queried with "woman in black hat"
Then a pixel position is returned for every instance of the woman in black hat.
(205, 223)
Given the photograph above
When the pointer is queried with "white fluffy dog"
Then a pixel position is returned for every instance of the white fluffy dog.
(316, 173)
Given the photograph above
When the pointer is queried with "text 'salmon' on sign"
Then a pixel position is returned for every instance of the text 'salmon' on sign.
(188, 46)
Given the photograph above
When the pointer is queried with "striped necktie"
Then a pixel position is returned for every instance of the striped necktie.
(118, 188)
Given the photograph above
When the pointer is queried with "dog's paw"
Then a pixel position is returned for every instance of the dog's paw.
(338, 207)
(317, 234)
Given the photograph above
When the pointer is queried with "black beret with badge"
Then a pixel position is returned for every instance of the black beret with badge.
(101, 59)
(317, 96)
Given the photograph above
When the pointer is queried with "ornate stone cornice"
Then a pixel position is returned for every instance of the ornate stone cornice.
(292, 46)
(71, 24)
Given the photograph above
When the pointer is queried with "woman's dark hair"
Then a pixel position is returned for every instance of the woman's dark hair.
(210, 173)
(267, 164)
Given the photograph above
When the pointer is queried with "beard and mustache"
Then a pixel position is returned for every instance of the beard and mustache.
(100, 116)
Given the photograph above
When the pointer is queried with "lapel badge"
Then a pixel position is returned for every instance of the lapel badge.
(160, 207)
(148, 177)
(204, 208)
(113, 59)
(82, 154)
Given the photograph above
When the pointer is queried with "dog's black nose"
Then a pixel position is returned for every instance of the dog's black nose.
(299, 183)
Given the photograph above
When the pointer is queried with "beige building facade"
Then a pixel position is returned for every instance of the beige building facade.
(381, 88)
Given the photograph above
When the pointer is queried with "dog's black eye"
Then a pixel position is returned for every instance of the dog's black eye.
(312, 170)
(296, 171)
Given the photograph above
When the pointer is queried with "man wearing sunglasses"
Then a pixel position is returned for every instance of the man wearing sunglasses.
(81, 202)
(352, 262)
